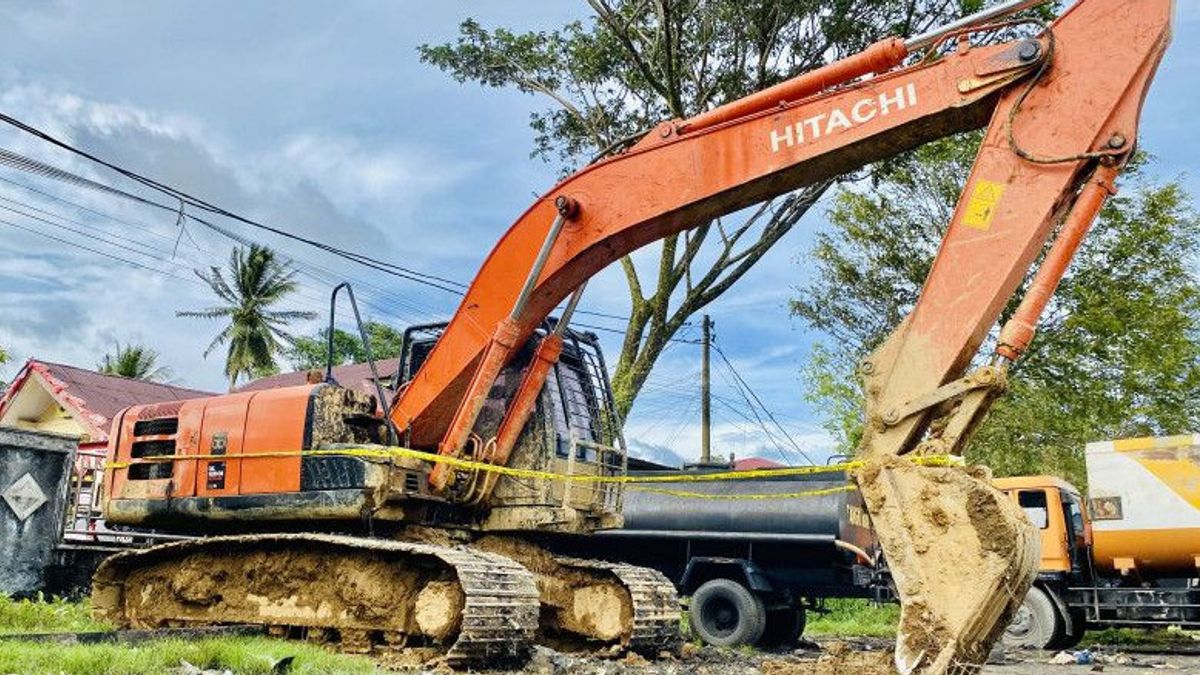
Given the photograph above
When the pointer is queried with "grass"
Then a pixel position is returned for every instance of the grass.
(861, 618)
(1131, 636)
(242, 655)
(46, 616)
(853, 618)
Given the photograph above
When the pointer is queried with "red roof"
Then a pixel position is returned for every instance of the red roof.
(751, 463)
(353, 375)
(94, 398)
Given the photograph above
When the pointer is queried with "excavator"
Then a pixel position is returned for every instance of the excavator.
(413, 521)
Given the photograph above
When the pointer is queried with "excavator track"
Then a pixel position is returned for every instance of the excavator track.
(655, 617)
(468, 607)
(597, 605)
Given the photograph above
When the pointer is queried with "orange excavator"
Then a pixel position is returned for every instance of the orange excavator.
(430, 515)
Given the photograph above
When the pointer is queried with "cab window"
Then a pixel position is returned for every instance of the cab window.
(1033, 503)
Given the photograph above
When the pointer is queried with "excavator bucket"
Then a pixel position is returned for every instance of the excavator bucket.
(962, 556)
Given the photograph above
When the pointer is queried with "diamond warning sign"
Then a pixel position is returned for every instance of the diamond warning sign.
(24, 496)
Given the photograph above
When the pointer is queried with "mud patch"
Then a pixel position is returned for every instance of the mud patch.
(438, 608)
(350, 592)
(838, 659)
(962, 555)
(577, 602)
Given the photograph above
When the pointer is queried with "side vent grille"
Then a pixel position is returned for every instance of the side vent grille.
(164, 426)
(152, 449)
(155, 470)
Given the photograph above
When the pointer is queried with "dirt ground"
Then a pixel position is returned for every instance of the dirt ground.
(866, 657)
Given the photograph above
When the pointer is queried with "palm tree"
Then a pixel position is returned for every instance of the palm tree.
(258, 280)
(134, 361)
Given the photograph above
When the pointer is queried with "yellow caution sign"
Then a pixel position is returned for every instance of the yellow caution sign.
(981, 207)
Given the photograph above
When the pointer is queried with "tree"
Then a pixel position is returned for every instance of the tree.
(637, 63)
(311, 351)
(1117, 354)
(137, 362)
(258, 280)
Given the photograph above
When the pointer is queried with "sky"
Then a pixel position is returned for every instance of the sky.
(324, 122)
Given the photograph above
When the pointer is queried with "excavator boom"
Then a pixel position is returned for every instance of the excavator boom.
(1061, 110)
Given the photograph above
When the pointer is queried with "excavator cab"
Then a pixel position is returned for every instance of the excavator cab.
(573, 431)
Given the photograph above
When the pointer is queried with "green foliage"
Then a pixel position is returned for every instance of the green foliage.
(239, 654)
(3, 356)
(138, 362)
(635, 64)
(244, 656)
(848, 617)
(1159, 637)
(258, 280)
(310, 352)
(45, 616)
(1117, 354)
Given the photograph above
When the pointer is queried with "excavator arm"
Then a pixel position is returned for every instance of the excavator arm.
(1061, 111)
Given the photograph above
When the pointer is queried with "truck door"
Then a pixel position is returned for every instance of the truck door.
(1043, 509)
(1077, 535)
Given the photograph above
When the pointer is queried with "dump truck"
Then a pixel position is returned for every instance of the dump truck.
(410, 520)
(1125, 555)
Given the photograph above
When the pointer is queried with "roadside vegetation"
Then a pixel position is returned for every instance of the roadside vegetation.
(242, 655)
(850, 617)
(45, 616)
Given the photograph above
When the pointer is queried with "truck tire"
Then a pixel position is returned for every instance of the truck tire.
(784, 628)
(1071, 638)
(725, 613)
(1036, 623)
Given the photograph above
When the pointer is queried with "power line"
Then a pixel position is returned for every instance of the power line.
(377, 303)
(764, 408)
(28, 164)
(121, 243)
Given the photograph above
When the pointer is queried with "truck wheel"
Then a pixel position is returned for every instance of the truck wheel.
(784, 628)
(1035, 624)
(725, 613)
(1072, 637)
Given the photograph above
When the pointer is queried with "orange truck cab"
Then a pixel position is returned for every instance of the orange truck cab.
(1126, 555)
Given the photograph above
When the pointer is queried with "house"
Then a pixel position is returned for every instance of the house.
(47, 396)
(754, 463)
(352, 375)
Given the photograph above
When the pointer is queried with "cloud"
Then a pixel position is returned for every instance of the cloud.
(353, 173)
(61, 302)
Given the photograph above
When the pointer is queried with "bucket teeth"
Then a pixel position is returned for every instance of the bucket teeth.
(962, 556)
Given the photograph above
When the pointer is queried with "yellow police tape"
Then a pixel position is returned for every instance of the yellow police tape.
(636, 481)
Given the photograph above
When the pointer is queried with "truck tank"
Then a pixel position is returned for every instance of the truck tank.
(1145, 506)
(726, 508)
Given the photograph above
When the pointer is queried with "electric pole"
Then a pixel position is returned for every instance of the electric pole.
(705, 399)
